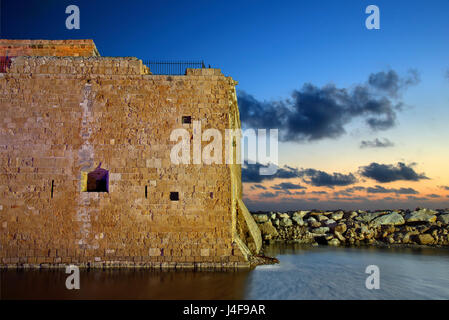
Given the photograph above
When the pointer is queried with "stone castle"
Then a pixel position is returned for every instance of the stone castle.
(86, 176)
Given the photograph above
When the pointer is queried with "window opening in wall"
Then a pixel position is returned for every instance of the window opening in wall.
(146, 192)
(52, 186)
(98, 180)
(211, 195)
(174, 196)
(186, 119)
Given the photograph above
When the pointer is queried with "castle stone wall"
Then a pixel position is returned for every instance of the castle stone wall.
(61, 117)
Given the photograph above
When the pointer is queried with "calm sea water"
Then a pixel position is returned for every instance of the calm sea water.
(303, 273)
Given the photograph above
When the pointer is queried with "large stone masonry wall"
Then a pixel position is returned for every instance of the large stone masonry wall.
(57, 48)
(61, 117)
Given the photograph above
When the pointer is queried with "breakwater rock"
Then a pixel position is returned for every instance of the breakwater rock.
(387, 227)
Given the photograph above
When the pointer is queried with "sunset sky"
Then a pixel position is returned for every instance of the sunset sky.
(362, 114)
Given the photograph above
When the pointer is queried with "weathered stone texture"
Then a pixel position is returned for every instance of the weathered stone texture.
(61, 117)
(58, 48)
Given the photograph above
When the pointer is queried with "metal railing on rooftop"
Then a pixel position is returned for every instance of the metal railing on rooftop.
(157, 67)
(170, 67)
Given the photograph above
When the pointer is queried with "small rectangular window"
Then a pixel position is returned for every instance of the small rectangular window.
(174, 196)
(211, 195)
(52, 186)
(186, 119)
(146, 192)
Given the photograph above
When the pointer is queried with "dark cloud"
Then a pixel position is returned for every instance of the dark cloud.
(405, 191)
(358, 198)
(342, 193)
(390, 83)
(323, 179)
(268, 194)
(353, 189)
(380, 189)
(258, 186)
(296, 192)
(338, 198)
(382, 173)
(319, 192)
(444, 187)
(433, 195)
(376, 143)
(290, 193)
(287, 186)
(314, 113)
(250, 173)
(388, 172)
(417, 198)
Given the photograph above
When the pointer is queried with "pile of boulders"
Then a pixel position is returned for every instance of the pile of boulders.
(418, 227)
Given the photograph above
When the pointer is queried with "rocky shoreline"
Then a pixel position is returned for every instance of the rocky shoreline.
(420, 227)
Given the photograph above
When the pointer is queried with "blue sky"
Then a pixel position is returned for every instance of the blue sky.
(269, 47)
(274, 47)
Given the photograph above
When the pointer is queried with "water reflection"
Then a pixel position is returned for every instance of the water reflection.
(124, 284)
(303, 273)
(339, 273)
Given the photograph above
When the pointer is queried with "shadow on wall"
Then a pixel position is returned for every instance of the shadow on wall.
(95, 181)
